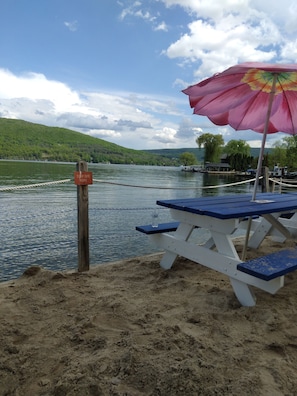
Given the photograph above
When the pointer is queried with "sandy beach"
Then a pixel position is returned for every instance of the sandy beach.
(131, 328)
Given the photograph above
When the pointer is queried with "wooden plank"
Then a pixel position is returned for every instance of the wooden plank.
(271, 266)
(163, 227)
(234, 206)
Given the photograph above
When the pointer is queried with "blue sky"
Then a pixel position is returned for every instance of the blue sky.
(115, 69)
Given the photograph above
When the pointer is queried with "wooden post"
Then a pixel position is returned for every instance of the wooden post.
(265, 180)
(83, 221)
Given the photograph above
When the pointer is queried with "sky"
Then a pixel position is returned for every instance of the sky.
(115, 69)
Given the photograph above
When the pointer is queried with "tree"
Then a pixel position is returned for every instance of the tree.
(278, 154)
(187, 159)
(212, 146)
(290, 144)
(238, 154)
(284, 153)
(237, 147)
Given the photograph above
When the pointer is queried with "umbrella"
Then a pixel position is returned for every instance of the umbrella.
(257, 96)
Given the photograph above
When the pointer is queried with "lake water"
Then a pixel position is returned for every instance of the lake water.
(39, 225)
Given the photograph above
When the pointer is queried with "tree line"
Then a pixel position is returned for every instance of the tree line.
(237, 153)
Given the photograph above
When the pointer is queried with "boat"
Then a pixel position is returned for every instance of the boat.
(279, 171)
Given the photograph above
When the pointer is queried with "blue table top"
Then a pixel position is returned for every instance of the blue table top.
(234, 206)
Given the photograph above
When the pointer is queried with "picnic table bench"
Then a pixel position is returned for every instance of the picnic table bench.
(162, 227)
(272, 265)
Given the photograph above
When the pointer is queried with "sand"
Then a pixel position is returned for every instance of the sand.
(131, 328)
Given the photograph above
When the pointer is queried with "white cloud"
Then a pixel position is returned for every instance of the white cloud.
(166, 136)
(289, 51)
(104, 133)
(125, 118)
(230, 41)
(72, 26)
(36, 87)
(283, 13)
(135, 10)
(161, 26)
(223, 33)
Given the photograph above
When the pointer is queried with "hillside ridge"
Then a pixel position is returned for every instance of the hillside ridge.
(23, 140)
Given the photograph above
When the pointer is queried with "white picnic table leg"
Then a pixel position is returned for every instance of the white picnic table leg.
(274, 220)
(290, 224)
(243, 292)
(168, 260)
(269, 224)
(224, 244)
(259, 233)
(183, 233)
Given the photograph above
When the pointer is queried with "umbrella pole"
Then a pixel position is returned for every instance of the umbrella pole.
(246, 241)
(260, 159)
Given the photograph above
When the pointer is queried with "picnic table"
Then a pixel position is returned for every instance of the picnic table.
(270, 214)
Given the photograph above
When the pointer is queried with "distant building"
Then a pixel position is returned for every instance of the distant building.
(217, 167)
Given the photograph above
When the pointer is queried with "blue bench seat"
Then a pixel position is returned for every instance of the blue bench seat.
(271, 266)
(163, 227)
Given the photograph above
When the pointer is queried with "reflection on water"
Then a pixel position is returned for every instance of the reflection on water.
(39, 227)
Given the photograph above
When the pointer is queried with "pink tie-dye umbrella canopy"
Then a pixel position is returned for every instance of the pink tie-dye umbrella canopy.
(257, 96)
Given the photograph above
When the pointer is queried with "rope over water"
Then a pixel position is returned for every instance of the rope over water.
(281, 183)
(173, 188)
(51, 183)
(34, 185)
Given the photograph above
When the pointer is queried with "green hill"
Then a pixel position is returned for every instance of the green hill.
(175, 153)
(23, 140)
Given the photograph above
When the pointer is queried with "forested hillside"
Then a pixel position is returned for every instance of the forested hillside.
(23, 140)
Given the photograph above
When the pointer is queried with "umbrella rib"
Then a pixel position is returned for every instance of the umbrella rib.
(260, 159)
(254, 99)
(217, 96)
(288, 105)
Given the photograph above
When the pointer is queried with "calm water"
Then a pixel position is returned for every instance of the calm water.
(39, 225)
